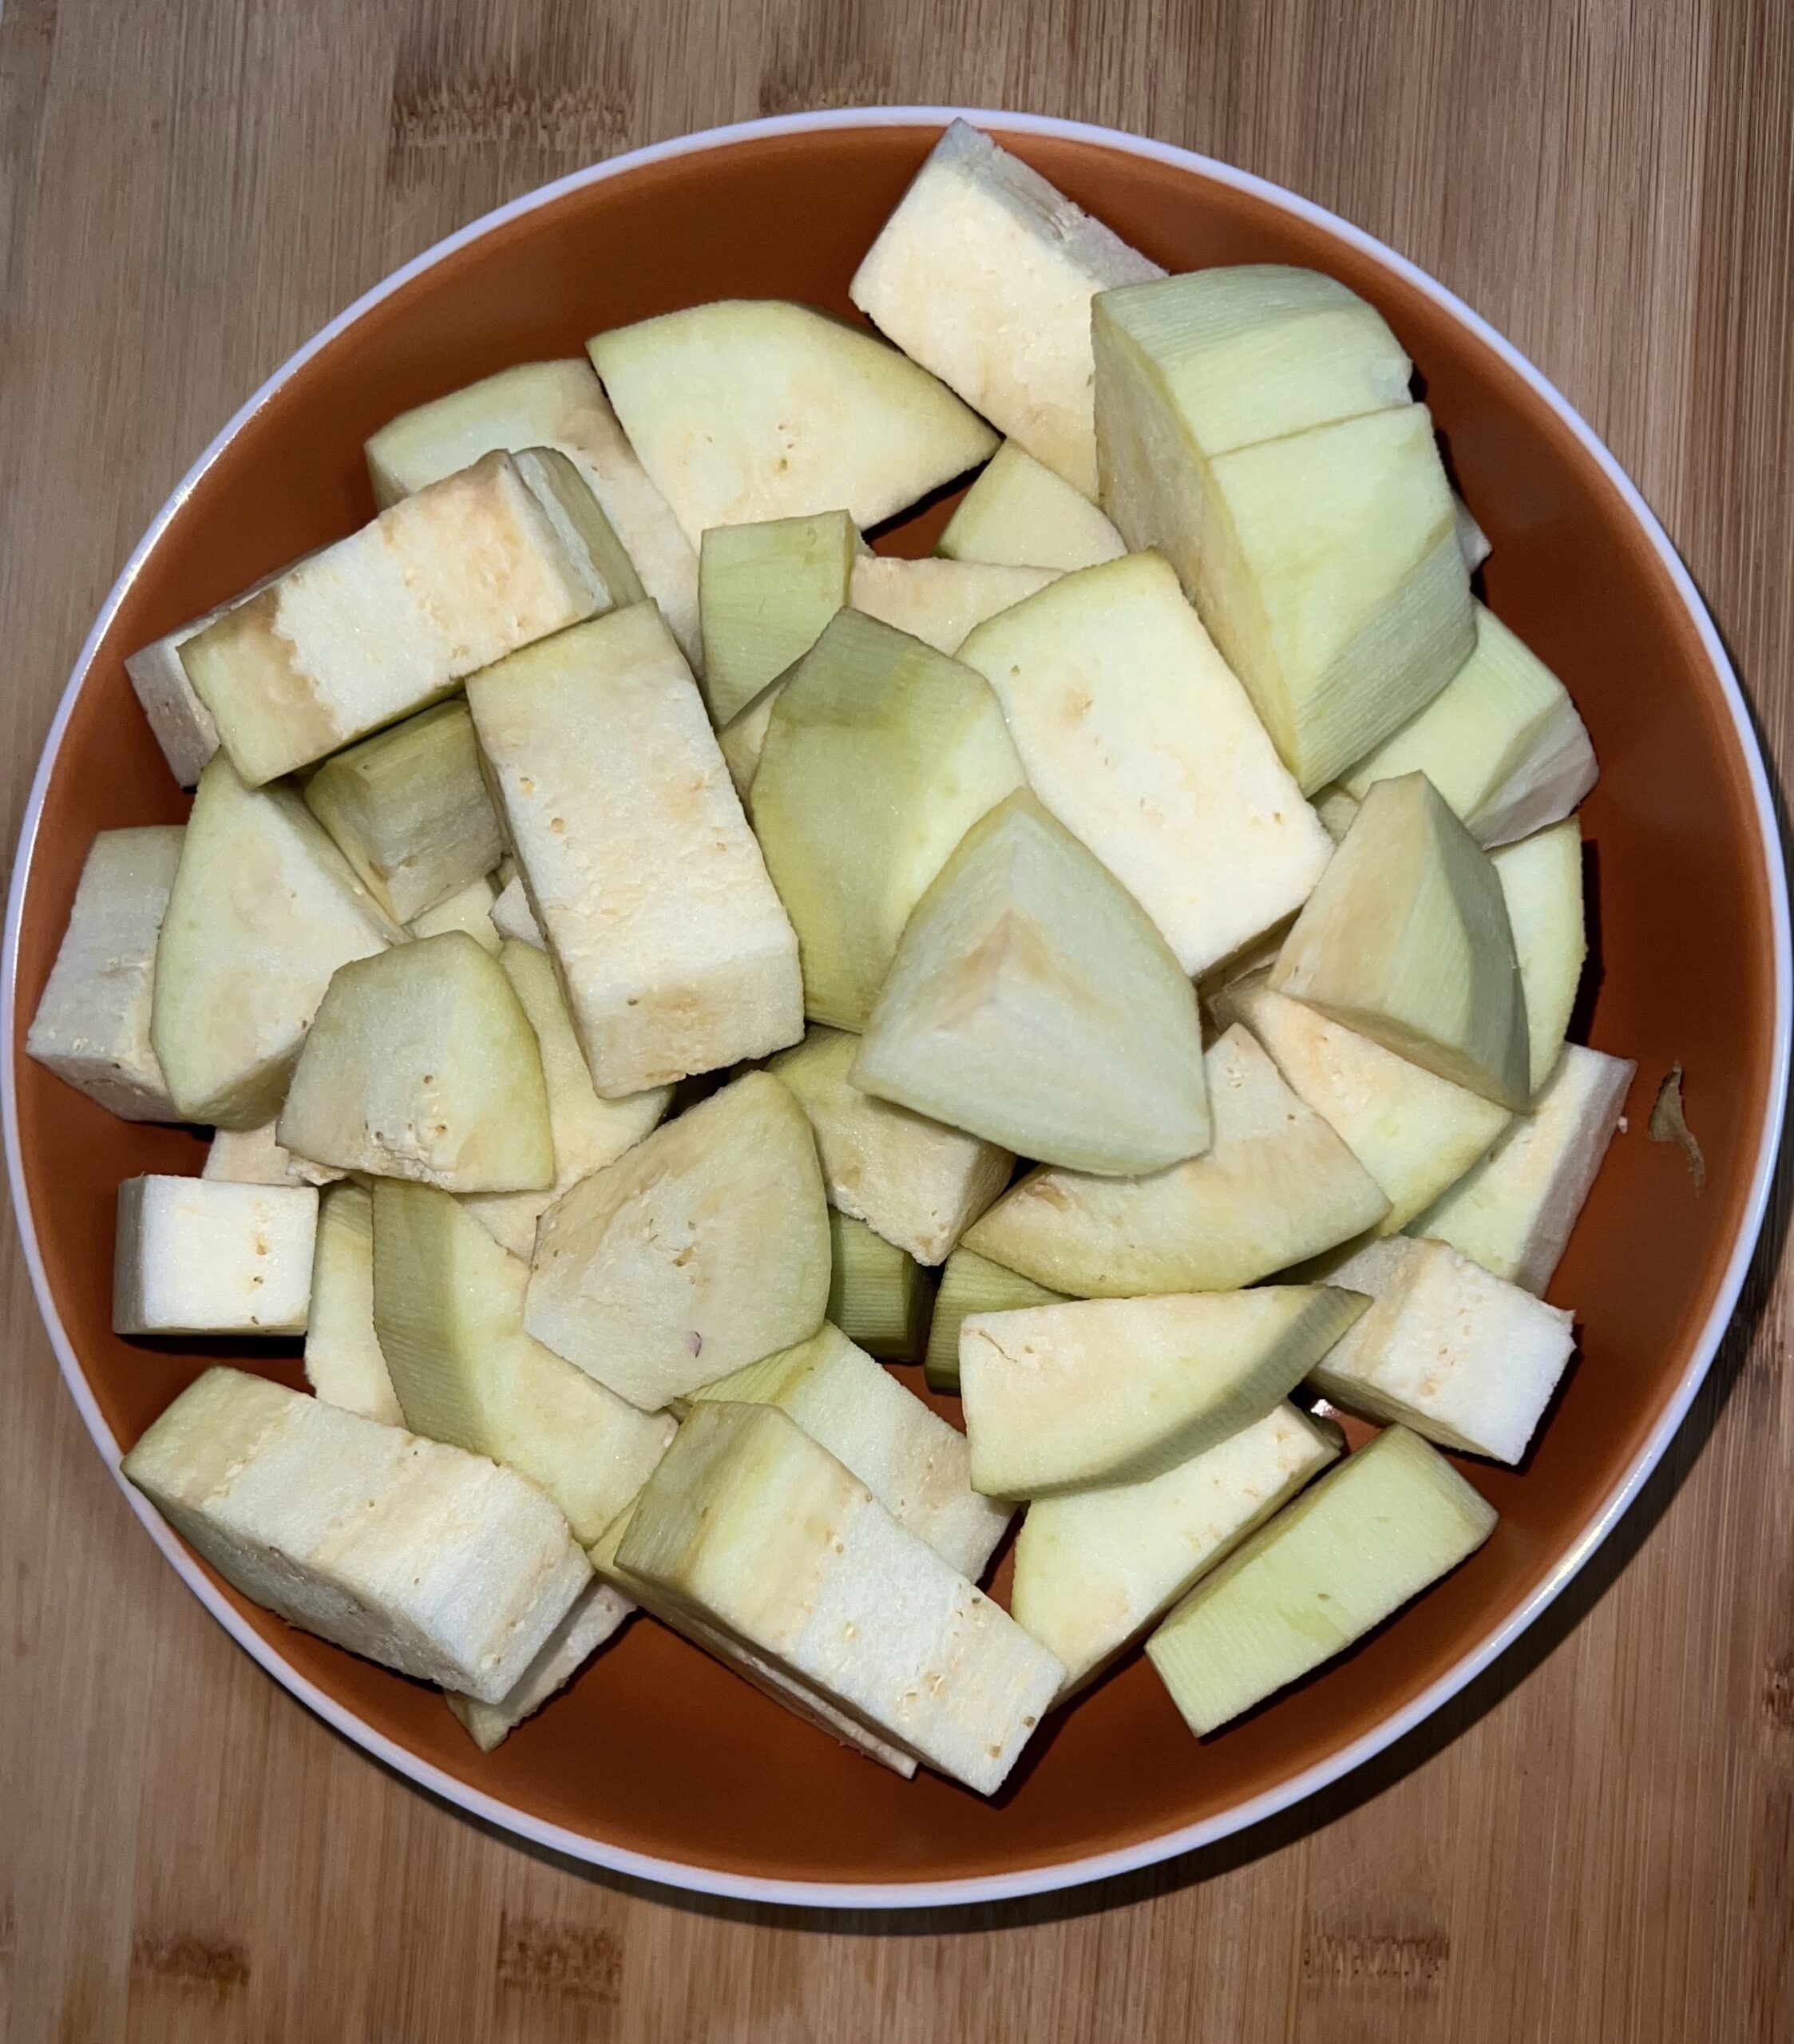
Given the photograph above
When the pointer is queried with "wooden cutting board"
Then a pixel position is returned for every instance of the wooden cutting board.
(1597, 1844)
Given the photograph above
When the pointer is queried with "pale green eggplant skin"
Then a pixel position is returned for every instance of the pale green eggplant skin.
(1407, 940)
(880, 755)
(1032, 1001)
(1372, 1534)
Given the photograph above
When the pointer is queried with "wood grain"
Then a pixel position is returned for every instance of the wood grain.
(1598, 1842)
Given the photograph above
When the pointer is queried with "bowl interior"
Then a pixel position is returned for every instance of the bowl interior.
(656, 1750)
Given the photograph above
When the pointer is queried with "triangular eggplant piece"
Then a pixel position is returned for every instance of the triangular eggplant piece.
(1032, 1002)
(1097, 1392)
(1407, 940)
(1279, 1186)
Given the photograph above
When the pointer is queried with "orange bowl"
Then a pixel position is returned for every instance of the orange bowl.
(657, 1762)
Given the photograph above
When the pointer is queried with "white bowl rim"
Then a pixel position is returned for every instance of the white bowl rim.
(1046, 1876)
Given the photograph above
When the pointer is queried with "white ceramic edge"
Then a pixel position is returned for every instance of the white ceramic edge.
(1044, 1878)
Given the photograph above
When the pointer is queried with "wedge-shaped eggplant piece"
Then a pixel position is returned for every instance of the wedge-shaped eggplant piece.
(1501, 742)
(180, 723)
(256, 1156)
(743, 738)
(264, 910)
(984, 274)
(970, 1284)
(422, 1064)
(513, 916)
(448, 1306)
(1415, 1133)
(1354, 603)
(588, 1132)
(1369, 1536)
(1447, 1348)
(596, 1615)
(757, 1529)
(917, 1183)
(1513, 1213)
(1134, 734)
(1245, 352)
(751, 409)
(1098, 1391)
(776, 1683)
(704, 1248)
(1407, 940)
(385, 621)
(344, 1362)
(1542, 883)
(1324, 562)
(183, 726)
(766, 592)
(578, 518)
(197, 1256)
(1337, 811)
(910, 1458)
(1278, 1186)
(877, 1295)
(1032, 1002)
(1019, 514)
(442, 1565)
(639, 866)
(468, 909)
(1094, 1568)
(880, 755)
(92, 1023)
(409, 811)
(559, 405)
(941, 602)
